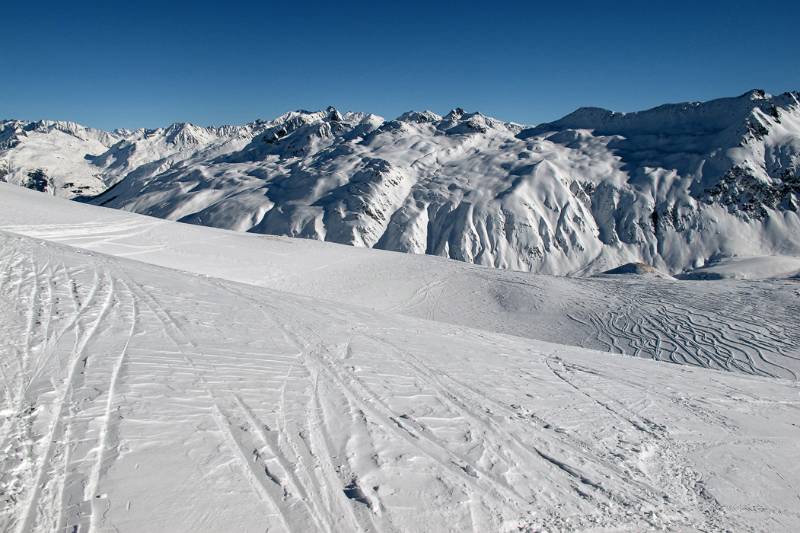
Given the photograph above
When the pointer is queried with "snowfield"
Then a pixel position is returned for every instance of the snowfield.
(167, 377)
(742, 326)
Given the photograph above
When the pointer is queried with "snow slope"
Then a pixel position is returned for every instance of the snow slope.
(138, 398)
(757, 267)
(741, 326)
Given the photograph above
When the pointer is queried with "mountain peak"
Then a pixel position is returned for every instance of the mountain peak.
(455, 114)
(419, 117)
(333, 114)
(756, 94)
(464, 185)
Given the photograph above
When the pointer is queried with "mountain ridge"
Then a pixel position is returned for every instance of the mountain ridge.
(674, 186)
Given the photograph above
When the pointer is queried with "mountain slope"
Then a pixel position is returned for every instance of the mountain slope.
(52, 156)
(136, 397)
(68, 160)
(677, 187)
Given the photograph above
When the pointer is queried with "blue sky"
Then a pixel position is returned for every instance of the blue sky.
(146, 64)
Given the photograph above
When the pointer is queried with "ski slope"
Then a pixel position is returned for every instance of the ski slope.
(141, 398)
(746, 326)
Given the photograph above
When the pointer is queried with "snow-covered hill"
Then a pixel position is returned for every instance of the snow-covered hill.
(675, 187)
(699, 323)
(231, 392)
(142, 154)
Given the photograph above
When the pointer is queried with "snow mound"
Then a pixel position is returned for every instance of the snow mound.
(638, 269)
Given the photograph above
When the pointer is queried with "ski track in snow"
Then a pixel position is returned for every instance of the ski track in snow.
(734, 325)
(740, 326)
(139, 398)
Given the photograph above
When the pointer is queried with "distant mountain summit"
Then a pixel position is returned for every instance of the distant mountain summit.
(673, 187)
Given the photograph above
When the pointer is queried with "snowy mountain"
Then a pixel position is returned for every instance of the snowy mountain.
(677, 187)
(168, 377)
(144, 153)
(68, 160)
(54, 157)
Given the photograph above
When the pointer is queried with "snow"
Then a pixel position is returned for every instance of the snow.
(693, 322)
(756, 268)
(635, 269)
(60, 149)
(84, 162)
(674, 187)
(161, 376)
(140, 397)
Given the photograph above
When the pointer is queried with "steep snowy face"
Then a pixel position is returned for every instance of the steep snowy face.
(701, 140)
(461, 186)
(701, 180)
(144, 153)
(675, 186)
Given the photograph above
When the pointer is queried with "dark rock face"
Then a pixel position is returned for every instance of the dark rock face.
(632, 268)
(750, 197)
(38, 181)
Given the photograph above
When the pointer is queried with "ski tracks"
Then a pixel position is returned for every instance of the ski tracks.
(252, 448)
(53, 439)
(56, 423)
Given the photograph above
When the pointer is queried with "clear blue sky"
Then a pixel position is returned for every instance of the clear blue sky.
(142, 63)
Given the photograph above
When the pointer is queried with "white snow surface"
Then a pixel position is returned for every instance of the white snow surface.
(166, 377)
(744, 326)
(757, 267)
(62, 150)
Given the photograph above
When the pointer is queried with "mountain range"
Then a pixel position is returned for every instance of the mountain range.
(678, 187)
